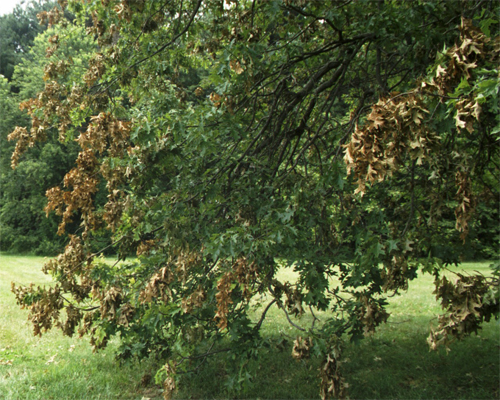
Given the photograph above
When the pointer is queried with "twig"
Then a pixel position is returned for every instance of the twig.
(314, 318)
(290, 321)
(204, 356)
(263, 316)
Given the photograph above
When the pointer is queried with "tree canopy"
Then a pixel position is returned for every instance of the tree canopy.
(24, 226)
(22, 192)
(355, 142)
(17, 33)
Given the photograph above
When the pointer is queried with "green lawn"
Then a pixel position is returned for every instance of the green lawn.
(54, 366)
(394, 363)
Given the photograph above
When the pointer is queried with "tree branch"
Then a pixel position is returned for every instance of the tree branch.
(263, 316)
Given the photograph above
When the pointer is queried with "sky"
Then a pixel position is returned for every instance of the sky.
(7, 6)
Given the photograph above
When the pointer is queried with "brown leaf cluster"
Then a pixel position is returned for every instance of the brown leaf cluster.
(245, 274)
(158, 286)
(146, 246)
(332, 383)
(127, 313)
(52, 17)
(184, 261)
(468, 301)
(466, 203)
(54, 69)
(464, 58)
(294, 301)
(398, 128)
(302, 348)
(72, 265)
(82, 187)
(73, 318)
(294, 297)
(194, 300)
(169, 384)
(24, 140)
(394, 274)
(106, 133)
(242, 272)
(394, 129)
(44, 305)
(49, 103)
(110, 302)
(370, 313)
(223, 298)
(96, 69)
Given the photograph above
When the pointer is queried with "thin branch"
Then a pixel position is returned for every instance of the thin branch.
(263, 316)
(289, 320)
(412, 205)
(252, 11)
(316, 18)
(204, 355)
(314, 318)
(191, 19)
(79, 308)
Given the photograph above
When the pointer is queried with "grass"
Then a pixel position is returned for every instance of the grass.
(54, 366)
(396, 362)
(393, 363)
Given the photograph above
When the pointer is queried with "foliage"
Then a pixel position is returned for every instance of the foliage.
(220, 131)
(22, 192)
(25, 227)
(55, 366)
(469, 301)
(17, 33)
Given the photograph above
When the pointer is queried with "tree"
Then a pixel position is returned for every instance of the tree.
(17, 33)
(25, 227)
(22, 192)
(18, 211)
(236, 138)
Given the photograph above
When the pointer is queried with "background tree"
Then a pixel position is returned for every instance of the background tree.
(25, 227)
(236, 138)
(17, 33)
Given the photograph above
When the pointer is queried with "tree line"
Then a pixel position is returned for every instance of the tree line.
(25, 227)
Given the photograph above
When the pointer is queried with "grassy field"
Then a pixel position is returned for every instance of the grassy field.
(53, 367)
(394, 363)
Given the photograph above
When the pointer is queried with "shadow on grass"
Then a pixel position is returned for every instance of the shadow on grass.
(397, 363)
(393, 364)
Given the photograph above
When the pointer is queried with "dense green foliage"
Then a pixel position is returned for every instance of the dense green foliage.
(354, 142)
(24, 224)
(17, 33)
(22, 193)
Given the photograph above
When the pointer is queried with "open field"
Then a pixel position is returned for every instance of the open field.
(394, 363)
